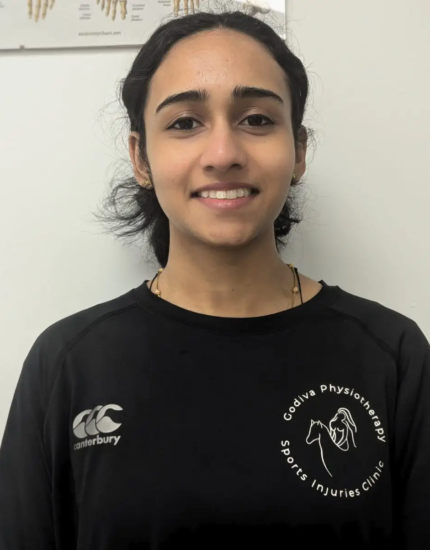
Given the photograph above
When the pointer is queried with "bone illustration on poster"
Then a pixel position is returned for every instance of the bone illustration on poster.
(39, 7)
(104, 23)
(110, 7)
(176, 6)
(249, 6)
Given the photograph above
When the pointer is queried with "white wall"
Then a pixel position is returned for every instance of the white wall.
(56, 154)
(366, 225)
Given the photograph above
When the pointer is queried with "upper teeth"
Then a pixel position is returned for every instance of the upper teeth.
(233, 194)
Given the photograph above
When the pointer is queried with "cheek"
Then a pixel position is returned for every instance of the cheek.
(279, 183)
(282, 163)
(171, 194)
(277, 164)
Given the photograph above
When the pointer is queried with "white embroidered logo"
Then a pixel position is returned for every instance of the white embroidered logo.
(93, 422)
(336, 442)
(339, 433)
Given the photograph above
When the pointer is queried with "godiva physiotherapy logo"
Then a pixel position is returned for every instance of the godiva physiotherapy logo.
(329, 423)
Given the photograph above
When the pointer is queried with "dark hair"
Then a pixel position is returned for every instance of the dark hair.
(137, 211)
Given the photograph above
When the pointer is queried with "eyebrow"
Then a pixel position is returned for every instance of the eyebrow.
(239, 92)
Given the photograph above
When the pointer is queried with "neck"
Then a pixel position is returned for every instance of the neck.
(227, 282)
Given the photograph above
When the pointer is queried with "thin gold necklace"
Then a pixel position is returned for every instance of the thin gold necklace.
(294, 290)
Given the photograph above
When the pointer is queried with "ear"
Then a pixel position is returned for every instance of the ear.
(139, 169)
(301, 148)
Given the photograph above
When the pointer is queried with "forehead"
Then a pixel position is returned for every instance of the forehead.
(218, 59)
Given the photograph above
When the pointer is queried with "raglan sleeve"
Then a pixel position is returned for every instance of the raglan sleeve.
(26, 518)
(412, 441)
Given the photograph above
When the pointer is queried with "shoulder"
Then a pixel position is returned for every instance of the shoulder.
(388, 327)
(100, 321)
(397, 333)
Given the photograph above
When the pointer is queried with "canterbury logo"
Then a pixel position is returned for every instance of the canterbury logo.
(94, 422)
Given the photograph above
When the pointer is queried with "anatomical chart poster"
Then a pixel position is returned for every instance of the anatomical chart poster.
(28, 24)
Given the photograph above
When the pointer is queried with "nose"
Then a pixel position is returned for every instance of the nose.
(223, 148)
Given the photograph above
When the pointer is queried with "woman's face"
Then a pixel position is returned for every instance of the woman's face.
(224, 139)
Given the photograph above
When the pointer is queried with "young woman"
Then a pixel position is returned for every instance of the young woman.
(231, 401)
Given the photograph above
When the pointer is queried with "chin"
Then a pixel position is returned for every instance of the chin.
(229, 240)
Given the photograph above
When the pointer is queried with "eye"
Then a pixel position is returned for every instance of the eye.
(255, 118)
(182, 120)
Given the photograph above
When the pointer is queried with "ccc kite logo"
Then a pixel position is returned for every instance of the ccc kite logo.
(94, 422)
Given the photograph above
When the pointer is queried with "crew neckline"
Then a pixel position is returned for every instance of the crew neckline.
(265, 323)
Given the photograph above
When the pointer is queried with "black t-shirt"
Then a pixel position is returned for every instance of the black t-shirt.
(137, 424)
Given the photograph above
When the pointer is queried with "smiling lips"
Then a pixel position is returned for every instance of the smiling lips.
(225, 195)
(232, 190)
(226, 199)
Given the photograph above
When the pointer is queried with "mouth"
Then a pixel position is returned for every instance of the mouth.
(225, 200)
(227, 195)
